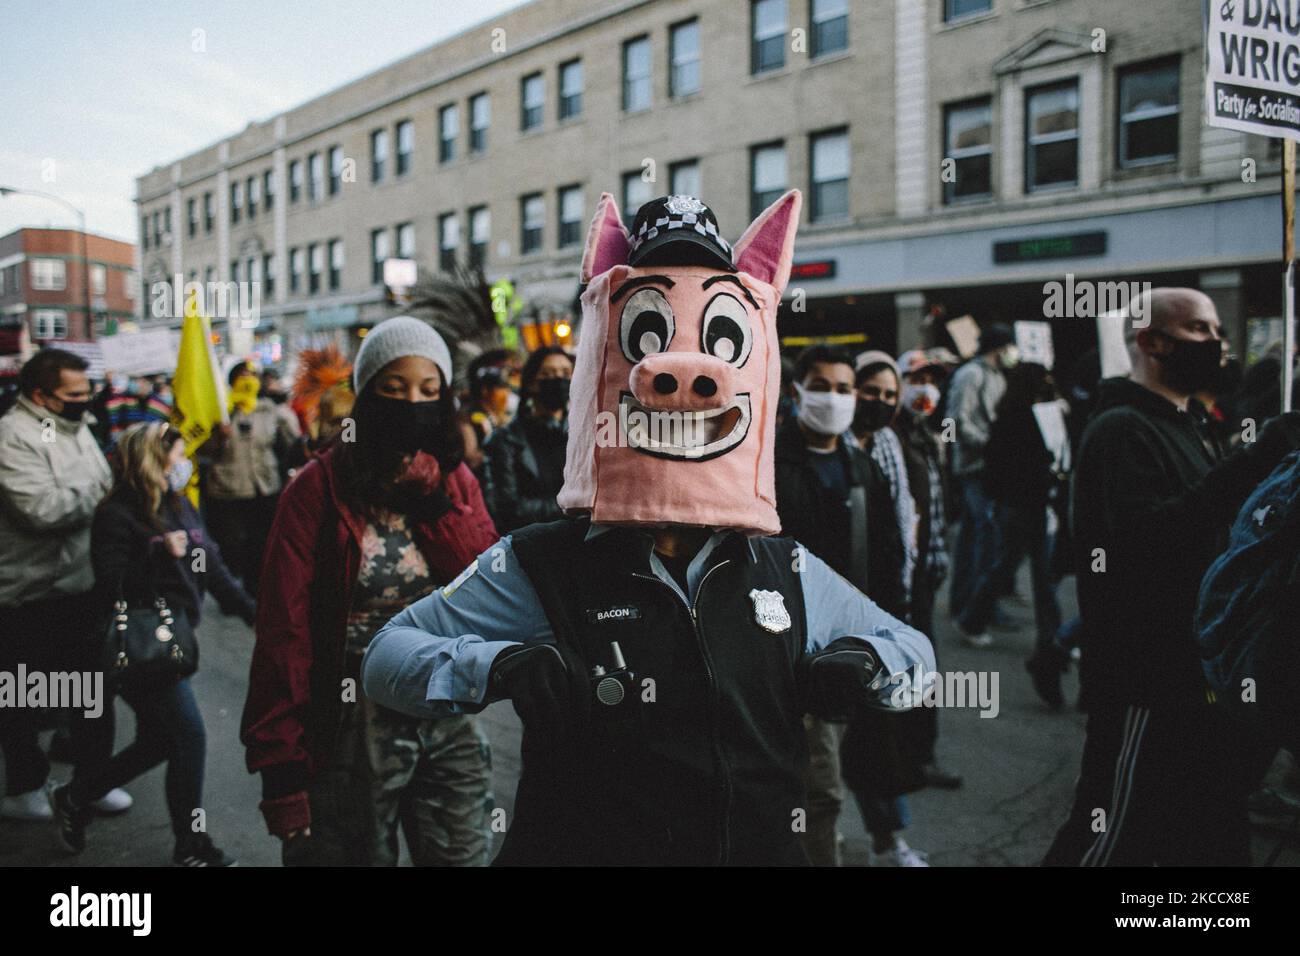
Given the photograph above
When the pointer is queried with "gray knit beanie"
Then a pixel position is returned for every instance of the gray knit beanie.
(394, 338)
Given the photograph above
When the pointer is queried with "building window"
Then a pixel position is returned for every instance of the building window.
(405, 146)
(144, 233)
(829, 159)
(378, 253)
(157, 229)
(1148, 114)
(336, 169)
(830, 26)
(684, 58)
(207, 212)
(570, 89)
(295, 180)
(1052, 136)
(252, 189)
(768, 26)
(253, 270)
(533, 214)
(684, 178)
(767, 176)
(48, 275)
(480, 232)
(50, 324)
(636, 74)
(448, 130)
(571, 212)
(636, 193)
(959, 9)
(532, 101)
(167, 222)
(236, 200)
(98, 279)
(406, 241)
(336, 264)
(480, 117)
(315, 177)
(209, 275)
(315, 266)
(295, 270)
(268, 189)
(448, 241)
(378, 155)
(268, 275)
(968, 142)
(234, 270)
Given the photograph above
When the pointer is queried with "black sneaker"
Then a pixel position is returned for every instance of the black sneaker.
(199, 850)
(940, 778)
(70, 821)
(1046, 667)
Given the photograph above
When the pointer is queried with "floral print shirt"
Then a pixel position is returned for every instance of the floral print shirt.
(393, 574)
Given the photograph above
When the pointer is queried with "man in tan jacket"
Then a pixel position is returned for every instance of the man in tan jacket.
(52, 477)
(243, 481)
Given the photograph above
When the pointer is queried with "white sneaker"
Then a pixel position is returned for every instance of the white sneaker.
(900, 854)
(977, 640)
(32, 806)
(114, 802)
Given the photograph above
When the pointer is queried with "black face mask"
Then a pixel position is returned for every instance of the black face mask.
(1192, 366)
(553, 393)
(408, 427)
(73, 411)
(872, 414)
(278, 397)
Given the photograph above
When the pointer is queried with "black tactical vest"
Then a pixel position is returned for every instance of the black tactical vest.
(707, 768)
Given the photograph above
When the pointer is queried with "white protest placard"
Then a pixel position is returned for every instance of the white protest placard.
(1252, 67)
(147, 352)
(1112, 350)
(1051, 425)
(1034, 340)
(965, 332)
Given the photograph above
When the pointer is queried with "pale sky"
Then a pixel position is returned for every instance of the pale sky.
(98, 93)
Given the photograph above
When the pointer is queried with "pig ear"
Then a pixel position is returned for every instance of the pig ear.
(607, 240)
(766, 249)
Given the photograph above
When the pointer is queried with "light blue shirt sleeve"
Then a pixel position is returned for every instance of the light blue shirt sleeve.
(835, 608)
(433, 659)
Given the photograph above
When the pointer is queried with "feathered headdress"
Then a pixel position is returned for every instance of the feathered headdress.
(319, 371)
(458, 304)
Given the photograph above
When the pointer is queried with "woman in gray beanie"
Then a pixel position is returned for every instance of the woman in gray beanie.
(386, 515)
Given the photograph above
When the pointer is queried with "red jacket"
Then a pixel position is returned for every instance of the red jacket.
(313, 555)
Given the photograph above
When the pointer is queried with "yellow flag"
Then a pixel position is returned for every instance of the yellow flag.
(200, 399)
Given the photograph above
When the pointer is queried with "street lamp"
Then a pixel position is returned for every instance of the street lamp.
(85, 244)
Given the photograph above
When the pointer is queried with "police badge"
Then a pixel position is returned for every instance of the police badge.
(769, 610)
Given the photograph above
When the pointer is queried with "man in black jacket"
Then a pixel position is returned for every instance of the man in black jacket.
(1164, 775)
(828, 494)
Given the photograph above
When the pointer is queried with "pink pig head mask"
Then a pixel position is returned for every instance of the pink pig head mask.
(673, 402)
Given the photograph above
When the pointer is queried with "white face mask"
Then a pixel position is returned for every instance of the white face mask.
(826, 413)
(922, 399)
(512, 403)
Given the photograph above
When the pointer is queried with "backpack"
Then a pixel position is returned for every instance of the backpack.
(1248, 612)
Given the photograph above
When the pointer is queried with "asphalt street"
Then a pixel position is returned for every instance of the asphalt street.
(1019, 769)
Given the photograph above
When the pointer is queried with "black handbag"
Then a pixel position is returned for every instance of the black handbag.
(148, 648)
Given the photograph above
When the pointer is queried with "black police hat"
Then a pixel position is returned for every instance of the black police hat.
(678, 231)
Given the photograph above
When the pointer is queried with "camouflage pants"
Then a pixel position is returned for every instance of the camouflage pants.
(430, 778)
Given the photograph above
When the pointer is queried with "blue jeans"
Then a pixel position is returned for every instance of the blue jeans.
(977, 542)
(882, 816)
(168, 726)
(1024, 534)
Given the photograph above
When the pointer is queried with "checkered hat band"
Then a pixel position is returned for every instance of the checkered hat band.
(704, 227)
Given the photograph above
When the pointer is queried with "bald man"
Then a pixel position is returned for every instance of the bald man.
(1164, 775)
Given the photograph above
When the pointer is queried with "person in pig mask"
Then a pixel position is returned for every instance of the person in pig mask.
(659, 643)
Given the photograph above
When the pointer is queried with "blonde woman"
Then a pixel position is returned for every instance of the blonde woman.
(142, 544)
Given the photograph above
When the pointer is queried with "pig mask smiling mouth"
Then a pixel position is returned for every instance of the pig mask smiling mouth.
(698, 436)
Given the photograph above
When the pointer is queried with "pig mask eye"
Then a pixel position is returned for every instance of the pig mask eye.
(646, 326)
(726, 332)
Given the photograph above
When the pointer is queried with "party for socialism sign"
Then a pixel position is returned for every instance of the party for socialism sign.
(1252, 66)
